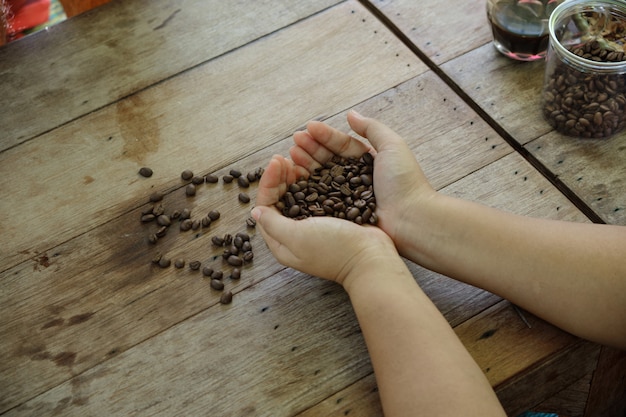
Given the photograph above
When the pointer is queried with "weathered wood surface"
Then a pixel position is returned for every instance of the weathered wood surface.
(458, 39)
(209, 116)
(88, 326)
(120, 48)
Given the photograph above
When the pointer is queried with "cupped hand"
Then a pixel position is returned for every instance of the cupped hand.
(400, 186)
(326, 247)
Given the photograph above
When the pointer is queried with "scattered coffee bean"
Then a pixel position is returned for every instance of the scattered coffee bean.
(250, 222)
(227, 179)
(156, 196)
(158, 210)
(195, 225)
(214, 215)
(244, 198)
(185, 214)
(145, 172)
(251, 176)
(194, 265)
(164, 262)
(243, 182)
(235, 273)
(190, 190)
(206, 221)
(161, 231)
(217, 241)
(175, 215)
(234, 260)
(226, 298)
(186, 175)
(246, 246)
(179, 263)
(216, 284)
(163, 220)
(153, 238)
(147, 218)
(248, 256)
(197, 180)
(228, 239)
(211, 178)
(217, 275)
(207, 271)
(185, 225)
(235, 173)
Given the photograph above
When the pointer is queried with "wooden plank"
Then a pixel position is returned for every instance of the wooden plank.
(442, 31)
(90, 61)
(593, 169)
(569, 402)
(607, 396)
(76, 177)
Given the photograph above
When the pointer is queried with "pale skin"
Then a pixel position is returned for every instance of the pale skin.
(570, 274)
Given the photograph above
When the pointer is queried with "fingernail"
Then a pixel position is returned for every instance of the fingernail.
(357, 114)
(256, 213)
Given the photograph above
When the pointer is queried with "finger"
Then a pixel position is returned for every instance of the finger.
(333, 142)
(273, 182)
(378, 134)
(276, 229)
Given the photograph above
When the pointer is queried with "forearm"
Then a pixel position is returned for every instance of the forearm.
(421, 366)
(571, 274)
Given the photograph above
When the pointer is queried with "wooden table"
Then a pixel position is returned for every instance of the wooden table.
(90, 326)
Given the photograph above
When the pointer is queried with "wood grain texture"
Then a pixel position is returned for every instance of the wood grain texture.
(607, 397)
(569, 402)
(92, 60)
(85, 164)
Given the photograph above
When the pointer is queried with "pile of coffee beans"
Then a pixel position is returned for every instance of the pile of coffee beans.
(584, 104)
(237, 248)
(342, 188)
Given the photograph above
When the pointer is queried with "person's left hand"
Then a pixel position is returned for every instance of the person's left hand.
(326, 247)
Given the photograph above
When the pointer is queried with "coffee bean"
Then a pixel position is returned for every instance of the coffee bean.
(246, 246)
(227, 179)
(244, 198)
(248, 256)
(185, 214)
(190, 190)
(153, 238)
(195, 225)
(163, 220)
(216, 284)
(158, 209)
(214, 215)
(217, 275)
(235, 173)
(156, 196)
(206, 221)
(194, 265)
(147, 218)
(234, 260)
(207, 271)
(164, 262)
(243, 182)
(250, 222)
(161, 231)
(226, 297)
(217, 241)
(235, 273)
(211, 178)
(228, 239)
(186, 225)
(145, 172)
(175, 215)
(179, 263)
(252, 177)
(186, 175)
(197, 180)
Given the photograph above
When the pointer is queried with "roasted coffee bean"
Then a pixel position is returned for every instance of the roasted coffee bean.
(195, 225)
(195, 265)
(161, 231)
(246, 246)
(157, 257)
(175, 215)
(158, 210)
(243, 182)
(226, 297)
(163, 220)
(145, 172)
(244, 198)
(190, 190)
(235, 173)
(214, 215)
(147, 218)
(238, 241)
(228, 239)
(248, 256)
(153, 238)
(235, 273)
(234, 260)
(243, 235)
(179, 263)
(206, 221)
(207, 271)
(186, 225)
(251, 176)
(197, 180)
(164, 262)
(217, 275)
(216, 284)
(156, 196)
(185, 214)
(186, 174)
(227, 179)
(217, 241)
(211, 178)
(250, 222)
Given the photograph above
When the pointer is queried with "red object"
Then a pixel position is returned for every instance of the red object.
(26, 14)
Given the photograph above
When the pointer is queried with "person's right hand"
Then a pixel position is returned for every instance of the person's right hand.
(401, 188)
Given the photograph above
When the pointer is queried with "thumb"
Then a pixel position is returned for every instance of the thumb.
(276, 230)
(378, 134)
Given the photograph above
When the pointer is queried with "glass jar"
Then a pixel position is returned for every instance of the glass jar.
(520, 27)
(584, 90)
